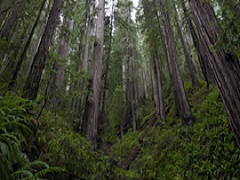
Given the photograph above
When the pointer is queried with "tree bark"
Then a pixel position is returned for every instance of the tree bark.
(131, 94)
(34, 77)
(225, 66)
(88, 38)
(183, 108)
(38, 40)
(26, 47)
(6, 29)
(106, 73)
(93, 110)
(191, 69)
(157, 87)
(201, 52)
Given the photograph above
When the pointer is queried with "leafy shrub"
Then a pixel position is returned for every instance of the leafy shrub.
(62, 147)
(206, 150)
(16, 130)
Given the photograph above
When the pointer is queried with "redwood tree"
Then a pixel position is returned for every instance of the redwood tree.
(34, 77)
(93, 109)
(183, 108)
(225, 66)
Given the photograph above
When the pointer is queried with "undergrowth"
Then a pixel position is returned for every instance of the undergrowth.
(206, 150)
(50, 148)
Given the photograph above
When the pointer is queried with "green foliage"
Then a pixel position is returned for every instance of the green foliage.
(35, 171)
(122, 147)
(12, 122)
(206, 150)
(3, 46)
(62, 147)
(120, 151)
(229, 21)
(16, 132)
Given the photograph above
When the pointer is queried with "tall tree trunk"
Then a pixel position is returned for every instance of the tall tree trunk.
(189, 44)
(146, 80)
(38, 40)
(93, 109)
(88, 38)
(63, 51)
(34, 77)
(105, 76)
(131, 94)
(76, 107)
(201, 52)
(22, 56)
(191, 69)
(157, 87)
(182, 104)
(84, 98)
(225, 66)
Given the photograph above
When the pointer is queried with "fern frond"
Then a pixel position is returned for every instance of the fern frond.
(36, 163)
(49, 170)
(22, 173)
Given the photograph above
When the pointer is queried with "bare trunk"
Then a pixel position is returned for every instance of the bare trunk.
(105, 76)
(145, 78)
(191, 69)
(88, 38)
(26, 47)
(84, 98)
(201, 52)
(39, 37)
(189, 44)
(93, 109)
(34, 78)
(225, 66)
(157, 88)
(182, 104)
(131, 114)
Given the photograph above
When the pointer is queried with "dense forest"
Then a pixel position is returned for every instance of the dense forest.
(119, 89)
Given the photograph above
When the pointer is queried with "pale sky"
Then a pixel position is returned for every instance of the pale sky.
(135, 4)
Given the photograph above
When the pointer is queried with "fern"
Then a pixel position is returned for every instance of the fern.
(31, 171)
(36, 163)
(46, 171)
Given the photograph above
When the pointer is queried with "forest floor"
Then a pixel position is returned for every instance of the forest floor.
(51, 148)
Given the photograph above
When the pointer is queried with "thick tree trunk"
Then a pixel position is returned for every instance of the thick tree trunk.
(225, 66)
(34, 77)
(6, 29)
(131, 115)
(84, 98)
(93, 110)
(131, 87)
(191, 69)
(157, 87)
(26, 47)
(106, 73)
(88, 38)
(201, 52)
(38, 40)
(182, 104)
